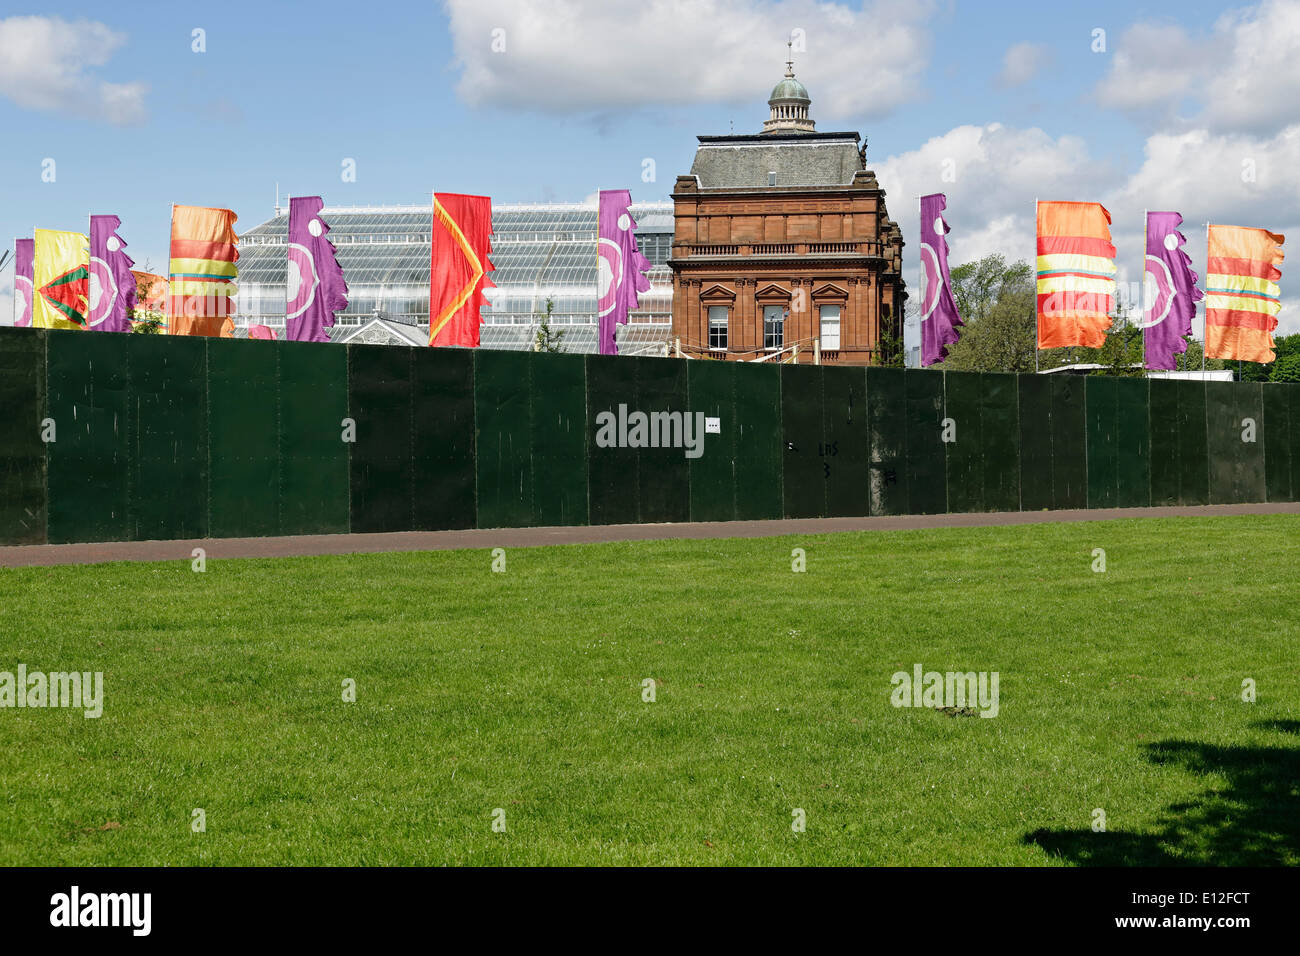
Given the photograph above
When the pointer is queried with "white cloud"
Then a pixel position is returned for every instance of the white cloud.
(997, 172)
(1234, 178)
(562, 56)
(1021, 63)
(43, 62)
(1259, 85)
(1244, 74)
(991, 176)
(1154, 66)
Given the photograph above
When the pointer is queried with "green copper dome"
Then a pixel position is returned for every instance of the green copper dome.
(789, 89)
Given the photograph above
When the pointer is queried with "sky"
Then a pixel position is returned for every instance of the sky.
(128, 108)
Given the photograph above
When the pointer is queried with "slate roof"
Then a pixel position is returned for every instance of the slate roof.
(798, 159)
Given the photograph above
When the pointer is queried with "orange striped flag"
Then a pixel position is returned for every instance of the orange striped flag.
(201, 294)
(1242, 297)
(1076, 274)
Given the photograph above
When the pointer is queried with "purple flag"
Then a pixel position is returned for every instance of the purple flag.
(316, 287)
(112, 286)
(939, 318)
(24, 272)
(1170, 294)
(620, 266)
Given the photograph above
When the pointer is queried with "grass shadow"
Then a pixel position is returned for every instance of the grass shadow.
(1253, 820)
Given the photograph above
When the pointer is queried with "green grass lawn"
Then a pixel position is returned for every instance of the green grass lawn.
(522, 691)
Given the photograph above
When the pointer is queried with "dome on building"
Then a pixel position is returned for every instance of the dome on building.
(788, 106)
(789, 89)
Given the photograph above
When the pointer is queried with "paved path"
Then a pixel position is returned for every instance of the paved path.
(50, 554)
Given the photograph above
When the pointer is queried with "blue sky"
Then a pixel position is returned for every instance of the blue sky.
(582, 94)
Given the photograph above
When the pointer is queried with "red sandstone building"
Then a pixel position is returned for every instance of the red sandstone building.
(782, 241)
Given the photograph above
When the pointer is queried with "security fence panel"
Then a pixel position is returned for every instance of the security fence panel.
(965, 441)
(1178, 456)
(1069, 443)
(926, 466)
(1165, 464)
(664, 483)
(502, 416)
(1100, 404)
(804, 471)
(22, 450)
(381, 466)
(1132, 443)
(711, 388)
(1036, 491)
(88, 474)
(1293, 393)
(1233, 414)
(168, 437)
(1193, 445)
(313, 454)
(759, 448)
(845, 450)
(243, 438)
(442, 430)
(887, 427)
(999, 440)
(560, 439)
(1278, 428)
(613, 467)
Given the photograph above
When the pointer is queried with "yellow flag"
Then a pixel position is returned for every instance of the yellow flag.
(61, 278)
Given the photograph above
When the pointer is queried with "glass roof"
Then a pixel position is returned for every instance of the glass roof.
(540, 251)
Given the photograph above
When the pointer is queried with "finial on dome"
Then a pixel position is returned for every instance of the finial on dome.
(789, 103)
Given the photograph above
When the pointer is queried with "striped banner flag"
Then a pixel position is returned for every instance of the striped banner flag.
(1076, 274)
(1242, 297)
(204, 257)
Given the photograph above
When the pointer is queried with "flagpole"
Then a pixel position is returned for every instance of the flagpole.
(1205, 318)
(1036, 285)
(921, 283)
(597, 309)
(171, 231)
(1142, 298)
(433, 238)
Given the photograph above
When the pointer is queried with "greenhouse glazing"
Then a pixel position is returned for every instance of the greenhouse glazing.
(542, 252)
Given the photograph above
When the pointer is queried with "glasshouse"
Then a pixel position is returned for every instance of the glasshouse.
(545, 259)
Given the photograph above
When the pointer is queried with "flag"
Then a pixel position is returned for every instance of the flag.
(24, 291)
(112, 286)
(201, 291)
(462, 239)
(1076, 274)
(61, 276)
(150, 291)
(264, 332)
(1167, 319)
(939, 318)
(620, 265)
(151, 296)
(316, 286)
(1242, 297)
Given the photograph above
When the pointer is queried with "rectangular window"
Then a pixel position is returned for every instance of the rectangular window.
(830, 327)
(774, 326)
(718, 327)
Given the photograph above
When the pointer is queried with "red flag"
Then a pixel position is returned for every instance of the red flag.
(462, 239)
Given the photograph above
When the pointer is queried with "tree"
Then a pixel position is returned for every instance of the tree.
(547, 339)
(893, 353)
(997, 303)
(1286, 368)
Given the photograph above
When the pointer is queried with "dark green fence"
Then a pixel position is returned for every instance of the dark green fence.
(131, 437)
